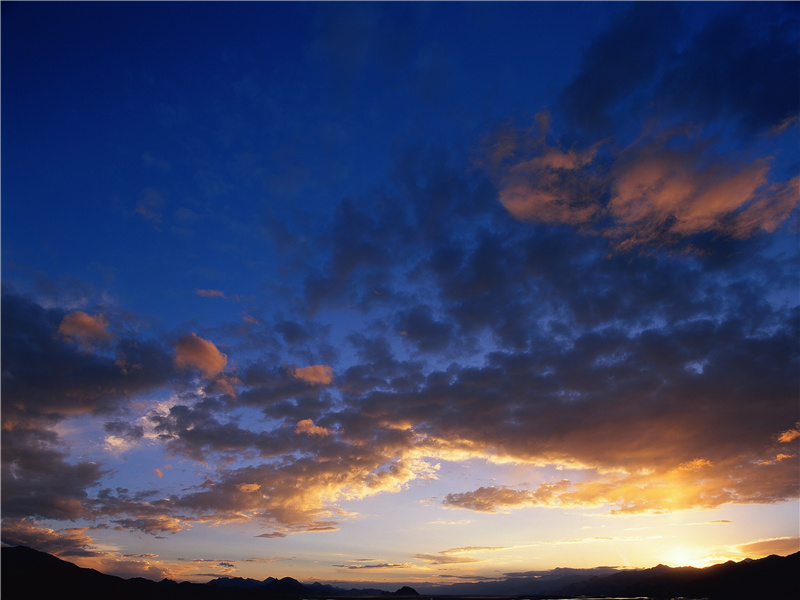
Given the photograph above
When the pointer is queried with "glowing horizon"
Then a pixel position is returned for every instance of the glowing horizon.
(400, 293)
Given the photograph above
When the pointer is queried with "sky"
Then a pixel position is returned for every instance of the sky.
(400, 292)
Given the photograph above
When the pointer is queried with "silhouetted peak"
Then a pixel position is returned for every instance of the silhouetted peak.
(406, 591)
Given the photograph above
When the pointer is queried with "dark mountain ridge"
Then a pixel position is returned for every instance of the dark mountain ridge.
(28, 574)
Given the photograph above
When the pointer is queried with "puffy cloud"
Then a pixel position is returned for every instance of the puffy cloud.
(789, 435)
(67, 542)
(193, 352)
(46, 377)
(491, 499)
(74, 545)
(83, 328)
(657, 190)
(307, 426)
(37, 479)
(314, 374)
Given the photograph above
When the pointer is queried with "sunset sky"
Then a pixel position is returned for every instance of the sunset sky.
(400, 292)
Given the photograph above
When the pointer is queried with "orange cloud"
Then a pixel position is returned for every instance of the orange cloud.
(210, 293)
(780, 546)
(314, 375)
(442, 559)
(78, 326)
(789, 435)
(192, 351)
(307, 426)
(552, 186)
(248, 487)
(657, 194)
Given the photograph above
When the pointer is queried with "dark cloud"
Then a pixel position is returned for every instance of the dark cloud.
(619, 63)
(737, 67)
(742, 66)
(45, 376)
(38, 480)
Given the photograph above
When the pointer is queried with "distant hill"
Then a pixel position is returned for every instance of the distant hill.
(28, 574)
(770, 578)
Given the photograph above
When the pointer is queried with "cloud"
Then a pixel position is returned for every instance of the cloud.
(781, 546)
(249, 487)
(193, 352)
(443, 559)
(65, 542)
(491, 499)
(611, 77)
(151, 205)
(377, 566)
(307, 426)
(789, 435)
(73, 544)
(661, 189)
(732, 69)
(210, 293)
(44, 377)
(314, 374)
(80, 327)
(474, 549)
(38, 480)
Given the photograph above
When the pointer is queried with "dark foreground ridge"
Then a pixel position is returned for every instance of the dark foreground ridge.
(28, 574)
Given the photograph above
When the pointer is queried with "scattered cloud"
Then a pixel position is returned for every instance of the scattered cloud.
(193, 352)
(789, 435)
(781, 546)
(210, 293)
(80, 327)
(307, 426)
(314, 374)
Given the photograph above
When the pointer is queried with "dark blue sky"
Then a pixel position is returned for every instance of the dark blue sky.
(284, 268)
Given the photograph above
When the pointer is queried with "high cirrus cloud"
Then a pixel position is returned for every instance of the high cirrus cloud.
(193, 352)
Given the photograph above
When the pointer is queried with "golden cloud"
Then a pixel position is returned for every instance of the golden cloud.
(307, 426)
(658, 194)
(193, 352)
(789, 435)
(80, 327)
(314, 374)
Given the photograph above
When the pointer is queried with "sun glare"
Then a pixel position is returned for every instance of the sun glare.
(681, 556)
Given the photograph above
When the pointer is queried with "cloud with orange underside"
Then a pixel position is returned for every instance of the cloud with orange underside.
(82, 328)
(781, 546)
(789, 435)
(193, 352)
(314, 374)
(307, 426)
(692, 485)
(77, 546)
(656, 193)
(210, 293)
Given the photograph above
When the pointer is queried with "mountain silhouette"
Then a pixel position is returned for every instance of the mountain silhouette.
(28, 574)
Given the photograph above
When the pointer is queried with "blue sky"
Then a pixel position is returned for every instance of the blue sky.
(406, 292)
